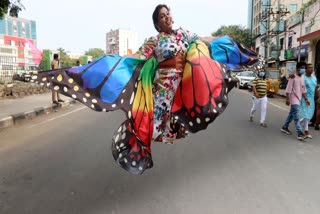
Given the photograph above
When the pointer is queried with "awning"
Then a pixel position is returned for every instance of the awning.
(309, 36)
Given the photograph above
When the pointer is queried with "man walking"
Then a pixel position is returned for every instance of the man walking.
(295, 90)
(259, 97)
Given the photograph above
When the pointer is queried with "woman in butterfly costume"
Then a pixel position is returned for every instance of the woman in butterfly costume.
(177, 83)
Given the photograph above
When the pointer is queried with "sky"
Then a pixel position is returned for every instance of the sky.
(77, 25)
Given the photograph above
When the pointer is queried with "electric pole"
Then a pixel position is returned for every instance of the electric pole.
(277, 16)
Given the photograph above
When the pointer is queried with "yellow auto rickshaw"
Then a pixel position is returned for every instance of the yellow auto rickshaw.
(273, 82)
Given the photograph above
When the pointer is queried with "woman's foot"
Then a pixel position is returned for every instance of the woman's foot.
(307, 134)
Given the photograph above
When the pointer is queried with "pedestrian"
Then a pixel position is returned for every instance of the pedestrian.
(315, 121)
(307, 112)
(259, 98)
(78, 63)
(174, 85)
(295, 90)
(55, 64)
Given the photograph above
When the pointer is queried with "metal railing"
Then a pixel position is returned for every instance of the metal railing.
(9, 69)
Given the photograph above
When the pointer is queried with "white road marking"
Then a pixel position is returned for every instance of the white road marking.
(57, 117)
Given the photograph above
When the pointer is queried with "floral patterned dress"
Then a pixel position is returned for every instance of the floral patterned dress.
(165, 46)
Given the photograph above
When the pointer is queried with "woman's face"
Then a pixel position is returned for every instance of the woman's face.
(164, 20)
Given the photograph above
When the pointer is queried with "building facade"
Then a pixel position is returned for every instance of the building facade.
(311, 34)
(121, 42)
(277, 38)
(18, 51)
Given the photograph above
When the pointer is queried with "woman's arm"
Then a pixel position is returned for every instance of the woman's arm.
(207, 38)
(317, 92)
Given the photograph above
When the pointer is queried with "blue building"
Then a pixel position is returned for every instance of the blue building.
(18, 27)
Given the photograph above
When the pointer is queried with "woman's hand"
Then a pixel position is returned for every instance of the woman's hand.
(180, 61)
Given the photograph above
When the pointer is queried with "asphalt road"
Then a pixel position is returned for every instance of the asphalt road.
(62, 163)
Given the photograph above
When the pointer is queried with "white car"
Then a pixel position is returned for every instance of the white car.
(245, 77)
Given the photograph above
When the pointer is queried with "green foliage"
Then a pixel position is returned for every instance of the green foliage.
(95, 53)
(236, 32)
(65, 61)
(83, 60)
(45, 62)
(305, 6)
(11, 6)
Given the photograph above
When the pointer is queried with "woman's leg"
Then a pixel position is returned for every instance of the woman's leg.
(164, 88)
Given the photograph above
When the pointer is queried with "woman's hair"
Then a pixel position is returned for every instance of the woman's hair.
(155, 15)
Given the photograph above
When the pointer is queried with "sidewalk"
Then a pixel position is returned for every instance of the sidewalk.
(13, 111)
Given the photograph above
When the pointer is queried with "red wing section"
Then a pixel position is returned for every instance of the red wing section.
(202, 94)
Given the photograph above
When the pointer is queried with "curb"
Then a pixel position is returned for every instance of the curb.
(18, 118)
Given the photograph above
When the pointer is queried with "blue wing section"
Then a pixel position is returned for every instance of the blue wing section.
(109, 74)
(105, 84)
(234, 55)
(118, 79)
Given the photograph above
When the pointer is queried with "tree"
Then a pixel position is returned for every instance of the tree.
(95, 53)
(236, 32)
(65, 61)
(11, 6)
(45, 62)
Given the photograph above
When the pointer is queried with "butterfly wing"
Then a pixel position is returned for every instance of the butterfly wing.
(202, 93)
(102, 85)
(131, 143)
(235, 55)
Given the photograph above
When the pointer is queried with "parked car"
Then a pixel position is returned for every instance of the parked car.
(245, 77)
(249, 86)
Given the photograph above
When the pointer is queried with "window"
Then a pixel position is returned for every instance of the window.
(7, 67)
(281, 44)
(293, 7)
(290, 42)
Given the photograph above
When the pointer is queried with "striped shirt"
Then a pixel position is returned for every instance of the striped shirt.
(261, 86)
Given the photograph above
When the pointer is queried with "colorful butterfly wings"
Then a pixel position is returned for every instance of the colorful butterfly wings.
(114, 82)
(107, 84)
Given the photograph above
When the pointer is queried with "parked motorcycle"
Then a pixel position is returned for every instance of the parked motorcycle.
(283, 82)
